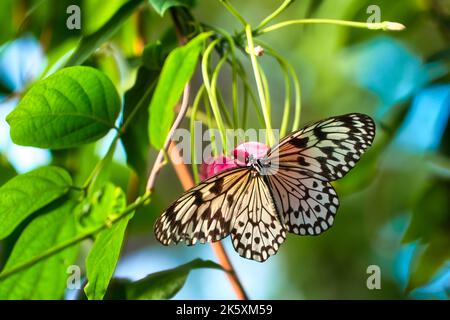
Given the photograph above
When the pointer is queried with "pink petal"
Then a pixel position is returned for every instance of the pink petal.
(215, 165)
(220, 163)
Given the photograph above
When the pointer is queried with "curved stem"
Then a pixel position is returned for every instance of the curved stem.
(297, 91)
(212, 94)
(221, 102)
(159, 162)
(233, 11)
(210, 124)
(259, 85)
(385, 25)
(192, 129)
(274, 14)
(249, 92)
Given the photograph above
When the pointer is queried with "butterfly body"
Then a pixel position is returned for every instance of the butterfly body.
(261, 199)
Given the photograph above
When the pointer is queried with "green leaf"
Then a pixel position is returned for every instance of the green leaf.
(165, 284)
(100, 206)
(161, 6)
(90, 43)
(136, 100)
(29, 192)
(47, 278)
(429, 262)
(100, 263)
(74, 106)
(430, 213)
(177, 70)
(153, 56)
(7, 171)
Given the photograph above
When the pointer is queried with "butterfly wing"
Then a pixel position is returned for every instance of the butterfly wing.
(303, 163)
(297, 196)
(327, 149)
(204, 212)
(257, 231)
(307, 205)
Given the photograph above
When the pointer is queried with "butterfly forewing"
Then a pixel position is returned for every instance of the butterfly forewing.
(204, 212)
(327, 149)
(256, 230)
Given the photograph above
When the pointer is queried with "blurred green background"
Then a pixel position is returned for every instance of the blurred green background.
(395, 207)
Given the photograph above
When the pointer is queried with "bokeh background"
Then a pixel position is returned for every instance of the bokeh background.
(395, 210)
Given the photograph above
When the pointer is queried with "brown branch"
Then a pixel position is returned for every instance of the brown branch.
(159, 162)
(188, 182)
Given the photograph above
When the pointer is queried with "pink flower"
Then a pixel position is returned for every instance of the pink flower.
(215, 165)
(240, 158)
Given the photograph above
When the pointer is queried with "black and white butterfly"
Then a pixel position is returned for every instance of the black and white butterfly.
(288, 190)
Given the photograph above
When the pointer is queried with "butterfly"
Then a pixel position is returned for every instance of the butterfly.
(261, 200)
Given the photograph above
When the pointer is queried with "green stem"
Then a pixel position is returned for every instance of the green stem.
(212, 94)
(248, 91)
(141, 103)
(287, 98)
(210, 125)
(221, 102)
(225, 111)
(68, 243)
(102, 163)
(297, 91)
(298, 99)
(199, 116)
(195, 106)
(385, 25)
(265, 84)
(234, 12)
(245, 107)
(259, 85)
(274, 14)
(238, 68)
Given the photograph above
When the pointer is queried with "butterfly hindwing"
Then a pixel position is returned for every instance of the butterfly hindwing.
(204, 212)
(327, 149)
(256, 231)
(307, 205)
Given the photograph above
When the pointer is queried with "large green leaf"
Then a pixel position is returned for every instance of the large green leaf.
(74, 106)
(90, 43)
(27, 193)
(102, 259)
(165, 284)
(162, 5)
(45, 279)
(177, 70)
